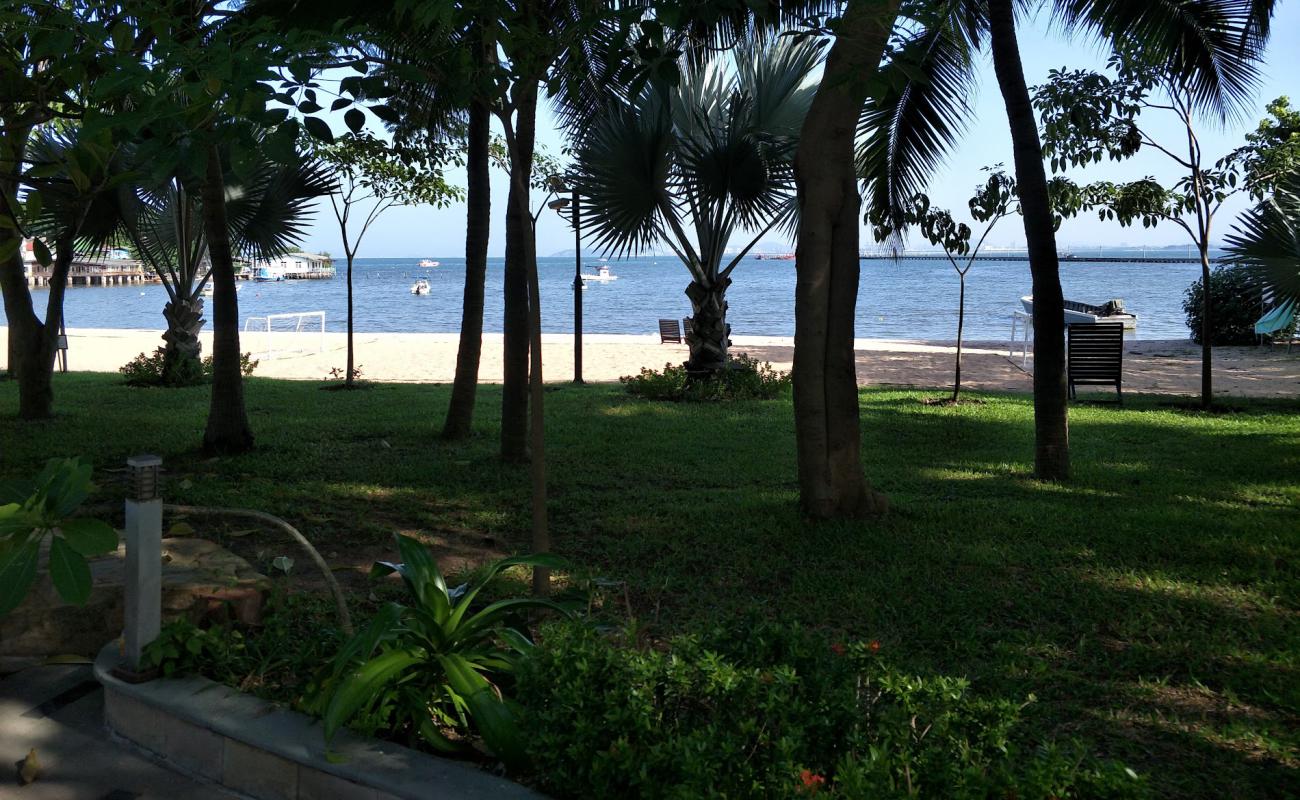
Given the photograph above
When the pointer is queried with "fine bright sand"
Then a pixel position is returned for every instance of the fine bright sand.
(1164, 367)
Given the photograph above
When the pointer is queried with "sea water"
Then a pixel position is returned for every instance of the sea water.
(904, 299)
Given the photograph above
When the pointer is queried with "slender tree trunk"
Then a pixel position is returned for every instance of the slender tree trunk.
(348, 381)
(541, 540)
(519, 235)
(961, 322)
(1051, 430)
(828, 434)
(1207, 370)
(227, 430)
(710, 335)
(35, 397)
(478, 223)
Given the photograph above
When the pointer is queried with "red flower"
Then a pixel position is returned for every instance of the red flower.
(837, 649)
(874, 646)
(811, 781)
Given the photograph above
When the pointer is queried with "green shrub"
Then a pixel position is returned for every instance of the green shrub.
(1234, 307)
(157, 370)
(436, 665)
(41, 509)
(773, 711)
(744, 378)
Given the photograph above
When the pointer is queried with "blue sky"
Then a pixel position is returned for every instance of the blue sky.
(423, 231)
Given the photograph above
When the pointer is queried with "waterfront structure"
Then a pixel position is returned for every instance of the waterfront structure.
(292, 266)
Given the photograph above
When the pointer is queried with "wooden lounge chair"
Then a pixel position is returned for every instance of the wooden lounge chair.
(670, 331)
(1096, 356)
(687, 327)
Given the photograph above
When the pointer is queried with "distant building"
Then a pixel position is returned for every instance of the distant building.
(293, 266)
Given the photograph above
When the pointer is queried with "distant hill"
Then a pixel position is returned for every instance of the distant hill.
(569, 253)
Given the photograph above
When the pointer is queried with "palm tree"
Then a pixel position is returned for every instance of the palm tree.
(692, 164)
(1266, 243)
(266, 212)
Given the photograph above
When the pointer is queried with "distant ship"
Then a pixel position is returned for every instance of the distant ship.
(428, 262)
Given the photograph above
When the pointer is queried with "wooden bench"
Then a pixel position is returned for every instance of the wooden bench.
(670, 330)
(1096, 356)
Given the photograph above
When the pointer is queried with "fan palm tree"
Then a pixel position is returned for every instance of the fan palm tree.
(267, 209)
(1266, 243)
(692, 164)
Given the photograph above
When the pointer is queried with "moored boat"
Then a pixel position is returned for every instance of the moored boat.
(602, 275)
(420, 287)
(1077, 313)
(428, 262)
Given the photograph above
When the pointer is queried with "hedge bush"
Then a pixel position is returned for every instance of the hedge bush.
(773, 711)
(156, 370)
(1234, 308)
(744, 378)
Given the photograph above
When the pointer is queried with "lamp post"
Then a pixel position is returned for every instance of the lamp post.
(558, 186)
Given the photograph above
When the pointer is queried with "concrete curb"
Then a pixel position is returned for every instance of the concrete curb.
(209, 730)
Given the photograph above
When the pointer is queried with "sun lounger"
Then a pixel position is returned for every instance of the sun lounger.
(1096, 356)
(670, 331)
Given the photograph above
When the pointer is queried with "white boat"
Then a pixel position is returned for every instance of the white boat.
(602, 275)
(428, 262)
(1077, 313)
(420, 287)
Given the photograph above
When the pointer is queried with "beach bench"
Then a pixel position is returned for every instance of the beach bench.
(1096, 356)
(670, 331)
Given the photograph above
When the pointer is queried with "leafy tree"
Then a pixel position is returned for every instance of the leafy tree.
(1087, 116)
(373, 173)
(992, 201)
(691, 164)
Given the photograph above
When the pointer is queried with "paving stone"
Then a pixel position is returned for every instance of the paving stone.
(316, 785)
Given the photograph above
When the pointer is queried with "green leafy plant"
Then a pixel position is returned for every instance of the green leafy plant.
(32, 511)
(1235, 299)
(159, 370)
(743, 378)
(771, 710)
(435, 669)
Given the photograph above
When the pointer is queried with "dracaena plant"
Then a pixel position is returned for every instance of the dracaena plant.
(436, 667)
(32, 511)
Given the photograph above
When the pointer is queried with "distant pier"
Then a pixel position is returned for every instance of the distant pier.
(1065, 259)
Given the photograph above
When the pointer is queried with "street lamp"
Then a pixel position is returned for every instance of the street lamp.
(558, 186)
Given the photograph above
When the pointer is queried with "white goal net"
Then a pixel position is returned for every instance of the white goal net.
(287, 334)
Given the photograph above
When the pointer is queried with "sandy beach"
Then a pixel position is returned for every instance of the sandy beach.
(1164, 367)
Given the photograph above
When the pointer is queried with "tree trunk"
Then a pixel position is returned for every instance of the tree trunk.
(183, 351)
(519, 235)
(710, 334)
(1207, 372)
(1051, 430)
(828, 434)
(478, 224)
(227, 430)
(348, 381)
(961, 322)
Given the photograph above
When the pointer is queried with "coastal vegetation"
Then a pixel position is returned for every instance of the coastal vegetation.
(741, 604)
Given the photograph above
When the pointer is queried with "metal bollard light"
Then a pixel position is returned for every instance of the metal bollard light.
(143, 590)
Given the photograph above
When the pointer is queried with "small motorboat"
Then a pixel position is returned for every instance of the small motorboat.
(428, 262)
(1077, 313)
(602, 275)
(420, 287)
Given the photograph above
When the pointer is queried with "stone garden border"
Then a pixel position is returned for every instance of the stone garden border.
(246, 744)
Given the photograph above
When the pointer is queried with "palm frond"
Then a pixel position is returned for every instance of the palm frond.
(915, 117)
(1212, 47)
(269, 211)
(1265, 242)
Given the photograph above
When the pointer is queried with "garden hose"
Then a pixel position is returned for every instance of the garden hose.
(345, 619)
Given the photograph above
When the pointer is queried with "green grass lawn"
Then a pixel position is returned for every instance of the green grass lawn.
(1152, 605)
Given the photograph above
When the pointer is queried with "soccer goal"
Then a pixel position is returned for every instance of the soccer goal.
(289, 334)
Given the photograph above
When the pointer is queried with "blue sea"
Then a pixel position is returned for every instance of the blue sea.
(910, 299)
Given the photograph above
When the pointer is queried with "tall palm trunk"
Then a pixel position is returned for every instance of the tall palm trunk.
(227, 430)
(184, 317)
(828, 435)
(519, 236)
(1051, 431)
(710, 334)
(478, 224)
